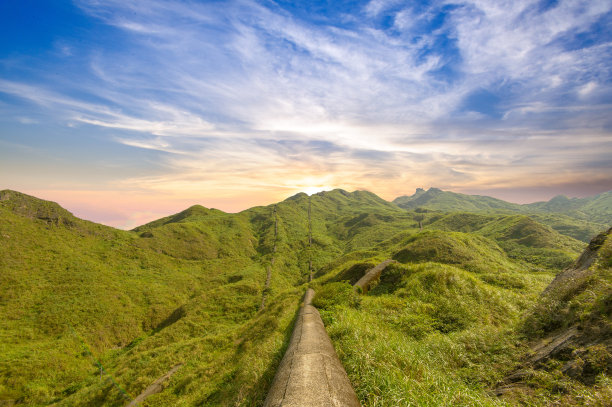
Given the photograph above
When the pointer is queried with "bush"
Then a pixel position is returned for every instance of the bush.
(336, 294)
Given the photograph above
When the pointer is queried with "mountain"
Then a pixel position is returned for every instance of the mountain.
(580, 218)
(198, 233)
(597, 208)
(203, 301)
(446, 201)
(92, 315)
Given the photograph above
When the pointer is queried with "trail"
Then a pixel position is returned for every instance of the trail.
(269, 268)
(309, 240)
(310, 374)
(371, 275)
(155, 387)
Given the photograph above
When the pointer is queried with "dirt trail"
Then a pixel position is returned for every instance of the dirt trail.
(269, 268)
(155, 387)
(309, 240)
(310, 374)
(371, 275)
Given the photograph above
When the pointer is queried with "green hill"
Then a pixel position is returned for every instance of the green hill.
(116, 310)
(446, 201)
(79, 296)
(597, 208)
(199, 233)
(139, 302)
(580, 218)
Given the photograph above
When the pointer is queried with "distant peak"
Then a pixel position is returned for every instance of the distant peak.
(432, 189)
(35, 208)
(343, 192)
(297, 196)
(196, 207)
(560, 198)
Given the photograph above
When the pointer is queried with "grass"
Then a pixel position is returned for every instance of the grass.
(430, 335)
(442, 327)
(389, 367)
(438, 329)
(75, 293)
(583, 298)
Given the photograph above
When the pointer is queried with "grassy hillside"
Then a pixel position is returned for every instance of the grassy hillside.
(83, 296)
(117, 310)
(182, 290)
(199, 233)
(597, 208)
(432, 333)
(569, 361)
(580, 218)
(442, 326)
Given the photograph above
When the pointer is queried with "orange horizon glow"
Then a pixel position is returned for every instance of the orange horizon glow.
(127, 209)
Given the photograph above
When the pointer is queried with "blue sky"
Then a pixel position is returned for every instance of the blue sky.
(124, 111)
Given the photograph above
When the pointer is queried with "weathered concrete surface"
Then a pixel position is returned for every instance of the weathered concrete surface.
(371, 275)
(310, 374)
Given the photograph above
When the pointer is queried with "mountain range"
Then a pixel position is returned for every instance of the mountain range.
(580, 218)
(93, 315)
(595, 208)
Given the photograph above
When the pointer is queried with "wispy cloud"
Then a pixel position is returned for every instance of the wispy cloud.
(245, 94)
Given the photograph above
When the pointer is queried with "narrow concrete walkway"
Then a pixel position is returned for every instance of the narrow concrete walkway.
(310, 374)
(371, 275)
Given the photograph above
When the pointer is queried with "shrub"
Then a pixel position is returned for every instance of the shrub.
(336, 294)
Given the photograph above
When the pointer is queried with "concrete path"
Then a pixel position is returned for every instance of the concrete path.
(310, 374)
(372, 274)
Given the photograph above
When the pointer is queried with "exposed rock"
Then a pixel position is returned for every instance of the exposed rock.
(578, 340)
(372, 275)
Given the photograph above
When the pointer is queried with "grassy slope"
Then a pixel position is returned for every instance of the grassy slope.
(580, 371)
(441, 327)
(75, 292)
(186, 289)
(183, 289)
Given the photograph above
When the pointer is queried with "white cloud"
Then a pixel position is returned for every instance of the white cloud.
(27, 120)
(221, 88)
(375, 7)
(587, 89)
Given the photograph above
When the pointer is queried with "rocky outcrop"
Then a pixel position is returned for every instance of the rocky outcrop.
(571, 324)
(372, 275)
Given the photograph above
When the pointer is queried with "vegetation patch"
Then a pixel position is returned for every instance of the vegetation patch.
(116, 310)
(336, 294)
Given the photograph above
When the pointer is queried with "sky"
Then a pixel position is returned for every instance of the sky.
(124, 111)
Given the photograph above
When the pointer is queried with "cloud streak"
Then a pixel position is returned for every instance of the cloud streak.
(255, 96)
